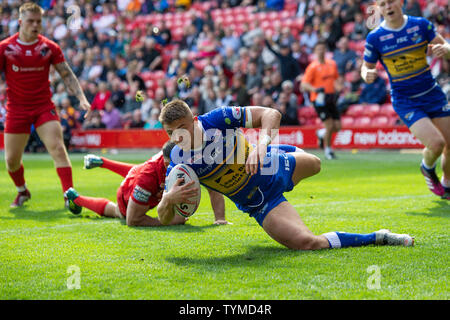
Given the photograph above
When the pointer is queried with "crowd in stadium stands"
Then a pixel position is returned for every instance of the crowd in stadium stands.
(234, 52)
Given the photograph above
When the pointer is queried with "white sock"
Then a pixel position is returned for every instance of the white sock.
(445, 182)
(22, 188)
(321, 133)
(428, 167)
(333, 239)
(328, 150)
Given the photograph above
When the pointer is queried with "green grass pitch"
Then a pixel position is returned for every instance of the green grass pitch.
(45, 250)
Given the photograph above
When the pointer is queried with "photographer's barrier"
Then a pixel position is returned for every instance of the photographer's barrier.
(303, 137)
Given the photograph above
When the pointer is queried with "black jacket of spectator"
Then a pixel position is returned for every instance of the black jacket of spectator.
(289, 66)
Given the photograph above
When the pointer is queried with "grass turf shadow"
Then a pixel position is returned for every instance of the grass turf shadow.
(23, 213)
(254, 256)
(441, 209)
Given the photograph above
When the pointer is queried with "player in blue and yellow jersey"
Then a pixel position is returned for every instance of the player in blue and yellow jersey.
(254, 177)
(401, 44)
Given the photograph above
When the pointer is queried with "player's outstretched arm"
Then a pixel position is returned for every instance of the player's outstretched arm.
(268, 120)
(72, 85)
(368, 72)
(218, 205)
(177, 194)
(137, 216)
(439, 47)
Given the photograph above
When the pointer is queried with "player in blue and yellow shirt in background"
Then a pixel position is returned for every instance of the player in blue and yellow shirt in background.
(401, 44)
(253, 177)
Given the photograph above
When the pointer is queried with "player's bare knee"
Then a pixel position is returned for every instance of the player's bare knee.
(58, 152)
(436, 146)
(305, 242)
(316, 167)
(12, 163)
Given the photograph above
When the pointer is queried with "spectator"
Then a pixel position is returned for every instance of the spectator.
(230, 57)
(257, 99)
(412, 8)
(136, 121)
(152, 56)
(360, 29)
(288, 114)
(153, 122)
(287, 87)
(93, 121)
(350, 93)
(111, 116)
(230, 40)
(100, 98)
(117, 94)
(60, 94)
(275, 84)
(239, 92)
(253, 79)
(223, 98)
(344, 57)
(133, 78)
(374, 92)
(288, 66)
(277, 5)
(308, 38)
(267, 101)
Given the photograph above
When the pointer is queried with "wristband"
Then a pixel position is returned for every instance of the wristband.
(265, 139)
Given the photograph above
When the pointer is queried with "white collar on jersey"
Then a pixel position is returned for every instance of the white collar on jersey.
(27, 43)
(384, 26)
(204, 136)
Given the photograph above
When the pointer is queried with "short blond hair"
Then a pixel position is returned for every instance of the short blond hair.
(30, 7)
(173, 111)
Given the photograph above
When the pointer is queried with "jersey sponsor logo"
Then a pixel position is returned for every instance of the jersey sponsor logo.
(402, 39)
(367, 52)
(13, 50)
(15, 68)
(237, 114)
(287, 166)
(387, 48)
(343, 137)
(387, 37)
(409, 115)
(416, 38)
(140, 194)
(412, 29)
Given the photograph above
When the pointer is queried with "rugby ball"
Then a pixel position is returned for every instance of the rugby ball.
(185, 172)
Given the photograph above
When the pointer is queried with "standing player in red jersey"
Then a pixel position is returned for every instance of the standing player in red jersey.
(25, 58)
(140, 191)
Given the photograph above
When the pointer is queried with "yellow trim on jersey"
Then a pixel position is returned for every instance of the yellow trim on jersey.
(219, 165)
(230, 178)
(407, 64)
(411, 76)
(404, 48)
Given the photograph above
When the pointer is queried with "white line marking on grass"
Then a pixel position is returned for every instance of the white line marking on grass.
(297, 205)
(59, 226)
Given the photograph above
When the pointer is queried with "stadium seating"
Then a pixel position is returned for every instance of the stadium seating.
(362, 122)
(357, 115)
(347, 121)
(380, 121)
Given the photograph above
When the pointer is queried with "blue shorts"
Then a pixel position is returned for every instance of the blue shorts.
(431, 105)
(270, 193)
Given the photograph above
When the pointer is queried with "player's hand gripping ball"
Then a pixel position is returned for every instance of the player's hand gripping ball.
(139, 96)
(185, 172)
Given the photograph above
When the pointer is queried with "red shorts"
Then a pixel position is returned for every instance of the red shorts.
(121, 201)
(20, 122)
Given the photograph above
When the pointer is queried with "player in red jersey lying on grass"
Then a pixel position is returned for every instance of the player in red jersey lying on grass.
(140, 191)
